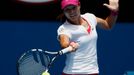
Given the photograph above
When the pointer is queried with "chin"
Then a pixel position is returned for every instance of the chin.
(36, 2)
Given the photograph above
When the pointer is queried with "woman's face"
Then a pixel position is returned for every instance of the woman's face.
(72, 12)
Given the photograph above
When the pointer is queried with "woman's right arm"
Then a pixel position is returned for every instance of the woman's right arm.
(65, 42)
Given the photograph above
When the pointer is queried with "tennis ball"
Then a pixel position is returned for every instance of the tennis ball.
(45, 73)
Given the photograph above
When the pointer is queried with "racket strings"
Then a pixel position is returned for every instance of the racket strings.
(33, 63)
(45, 60)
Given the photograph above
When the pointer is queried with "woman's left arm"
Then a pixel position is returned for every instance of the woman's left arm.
(108, 23)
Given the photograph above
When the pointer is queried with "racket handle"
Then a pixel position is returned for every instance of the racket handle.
(65, 50)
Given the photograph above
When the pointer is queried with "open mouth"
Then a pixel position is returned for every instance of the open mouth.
(73, 15)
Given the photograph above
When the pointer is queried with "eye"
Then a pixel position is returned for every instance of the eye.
(70, 8)
(74, 7)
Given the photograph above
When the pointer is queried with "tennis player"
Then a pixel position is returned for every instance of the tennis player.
(79, 32)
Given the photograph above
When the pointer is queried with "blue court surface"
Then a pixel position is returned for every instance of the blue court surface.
(115, 47)
(129, 73)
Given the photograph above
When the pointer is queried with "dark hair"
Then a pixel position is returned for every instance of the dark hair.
(61, 17)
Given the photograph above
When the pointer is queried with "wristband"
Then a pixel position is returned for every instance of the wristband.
(114, 13)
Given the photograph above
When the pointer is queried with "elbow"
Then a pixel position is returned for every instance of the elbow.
(108, 26)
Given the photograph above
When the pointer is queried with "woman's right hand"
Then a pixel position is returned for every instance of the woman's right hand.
(74, 46)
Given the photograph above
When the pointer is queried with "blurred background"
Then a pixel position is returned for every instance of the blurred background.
(25, 25)
(20, 10)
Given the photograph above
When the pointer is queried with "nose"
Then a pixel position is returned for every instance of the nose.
(70, 11)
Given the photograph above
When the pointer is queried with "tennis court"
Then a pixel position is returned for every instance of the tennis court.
(115, 47)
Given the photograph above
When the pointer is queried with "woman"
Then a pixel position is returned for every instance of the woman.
(79, 32)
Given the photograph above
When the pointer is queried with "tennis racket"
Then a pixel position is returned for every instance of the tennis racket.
(37, 61)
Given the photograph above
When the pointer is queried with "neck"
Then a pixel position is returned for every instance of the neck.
(76, 22)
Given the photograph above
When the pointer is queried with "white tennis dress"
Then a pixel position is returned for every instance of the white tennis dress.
(84, 59)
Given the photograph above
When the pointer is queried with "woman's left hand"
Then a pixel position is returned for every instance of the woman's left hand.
(113, 5)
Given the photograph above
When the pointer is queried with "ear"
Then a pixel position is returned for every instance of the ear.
(79, 6)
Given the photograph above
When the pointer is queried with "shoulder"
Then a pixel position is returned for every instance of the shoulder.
(62, 27)
(66, 25)
(90, 17)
